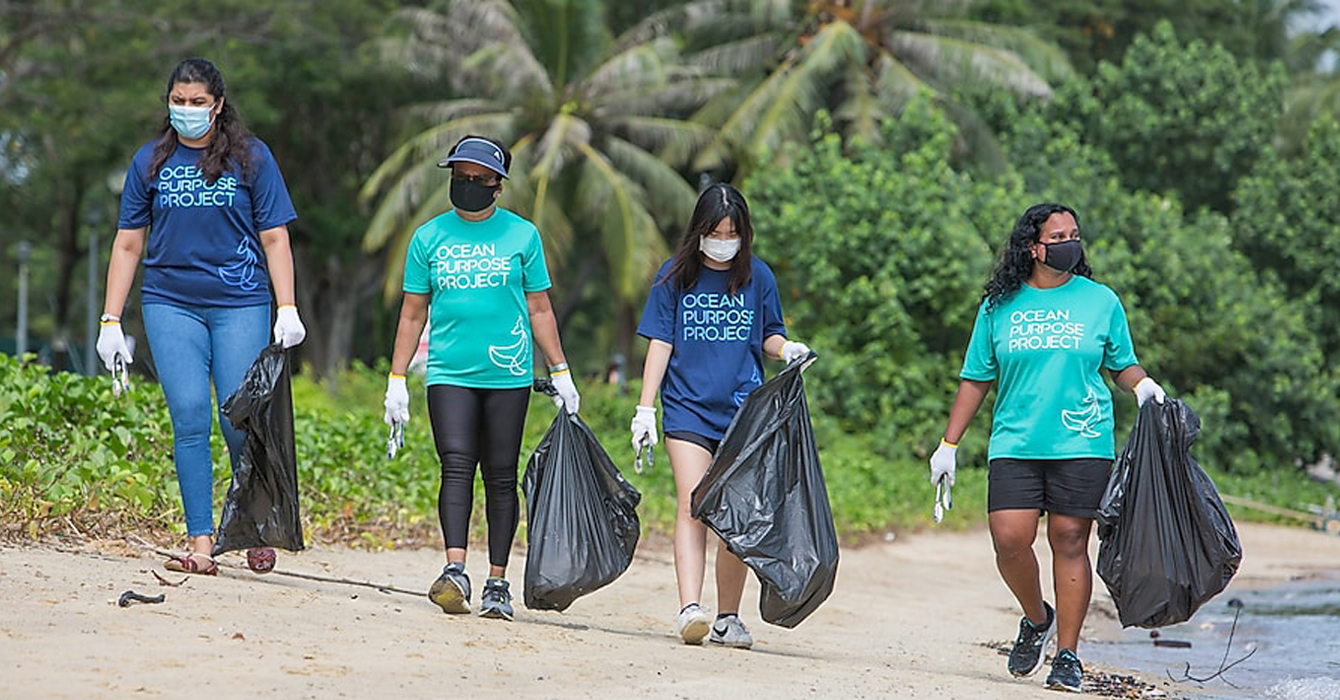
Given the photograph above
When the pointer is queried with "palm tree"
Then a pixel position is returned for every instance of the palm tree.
(861, 59)
(587, 117)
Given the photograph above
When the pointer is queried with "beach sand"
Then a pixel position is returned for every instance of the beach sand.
(924, 616)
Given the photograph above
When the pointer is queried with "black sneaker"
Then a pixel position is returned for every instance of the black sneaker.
(451, 590)
(1027, 655)
(1067, 672)
(496, 601)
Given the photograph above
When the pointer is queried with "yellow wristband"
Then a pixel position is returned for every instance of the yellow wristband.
(393, 375)
(288, 306)
(946, 443)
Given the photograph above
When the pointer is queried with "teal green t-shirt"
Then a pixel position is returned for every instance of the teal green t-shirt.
(1046, 349)
(477, 275)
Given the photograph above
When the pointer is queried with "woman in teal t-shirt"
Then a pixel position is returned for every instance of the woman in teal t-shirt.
(1044, 333)
(478, 273)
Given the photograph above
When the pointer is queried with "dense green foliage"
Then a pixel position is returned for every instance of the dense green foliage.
(1184, 117)
(80, 460)
(1212, 217)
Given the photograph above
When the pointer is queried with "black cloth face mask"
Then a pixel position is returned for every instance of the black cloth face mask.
(1063, 256)
(471, 196)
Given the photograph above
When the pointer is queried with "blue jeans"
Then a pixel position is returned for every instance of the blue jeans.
(191, 344)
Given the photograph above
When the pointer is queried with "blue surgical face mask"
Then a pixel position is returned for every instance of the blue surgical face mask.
(191, 122)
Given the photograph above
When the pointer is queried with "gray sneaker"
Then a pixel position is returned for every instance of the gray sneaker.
(496, 600)
(1029, 648)
(729, 631)
(692, 624)
(451, 590)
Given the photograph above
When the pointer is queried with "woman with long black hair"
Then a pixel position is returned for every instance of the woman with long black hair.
(1044, 332)
(205, 204)
(712, 314)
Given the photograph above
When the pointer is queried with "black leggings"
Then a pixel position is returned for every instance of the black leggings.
(484, 427)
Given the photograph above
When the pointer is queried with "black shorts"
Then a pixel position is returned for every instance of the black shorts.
(707, 443)
(1064, 486)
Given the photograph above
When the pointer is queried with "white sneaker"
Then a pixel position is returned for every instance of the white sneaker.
(693, 624)
(730, 631)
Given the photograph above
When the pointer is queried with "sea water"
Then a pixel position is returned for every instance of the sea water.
(1292, 632)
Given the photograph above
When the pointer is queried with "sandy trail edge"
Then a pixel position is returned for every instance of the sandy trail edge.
(908, 619)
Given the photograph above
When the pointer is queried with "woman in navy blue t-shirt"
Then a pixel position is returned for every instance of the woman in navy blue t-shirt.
(205, 205)
(712, 314)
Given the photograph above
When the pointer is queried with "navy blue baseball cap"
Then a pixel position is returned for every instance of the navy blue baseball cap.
(478, 151)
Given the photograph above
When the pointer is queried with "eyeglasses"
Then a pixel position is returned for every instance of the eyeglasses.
(482, 180)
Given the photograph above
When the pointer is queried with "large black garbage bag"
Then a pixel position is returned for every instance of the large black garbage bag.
(1168, 545)
(581, 516)
(261, 509)
(764, 494)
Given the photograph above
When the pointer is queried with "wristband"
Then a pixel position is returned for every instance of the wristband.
(950, 445)
(393, 375)
(109, 318)
(558, 368)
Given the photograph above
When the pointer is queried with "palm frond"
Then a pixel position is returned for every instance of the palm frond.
(798, 94)
(554, 150)
(637, 67)
(753, 53)
(1043, 57)
(681, 95)
(632, 243)
(669, 198)
(946, 60)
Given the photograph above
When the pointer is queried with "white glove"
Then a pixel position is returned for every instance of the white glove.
(567, 397)
(1147, 389)
(793, 350)
(943, 462)
(397, 400)
(289, 330)
(644, 427)
(111, 343)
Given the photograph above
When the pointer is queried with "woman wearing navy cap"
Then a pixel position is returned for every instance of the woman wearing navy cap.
(478, 273)
(206, 205)
(712, 314)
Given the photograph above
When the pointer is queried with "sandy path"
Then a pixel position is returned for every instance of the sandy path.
(909, 619)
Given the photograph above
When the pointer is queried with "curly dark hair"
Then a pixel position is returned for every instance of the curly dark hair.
(1016, 263)
(717, 202)
(231, 144)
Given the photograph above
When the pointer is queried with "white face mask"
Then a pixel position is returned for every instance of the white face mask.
(719, 250)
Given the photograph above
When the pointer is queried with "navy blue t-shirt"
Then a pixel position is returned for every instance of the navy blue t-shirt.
(718, 345)
(202, 247)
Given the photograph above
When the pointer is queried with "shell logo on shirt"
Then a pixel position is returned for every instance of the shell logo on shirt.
(512, 357)
(1082, 421)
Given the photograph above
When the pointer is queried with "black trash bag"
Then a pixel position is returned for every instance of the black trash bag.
(1168, 545)
(261, 509)
(764, 495)
(581, 515)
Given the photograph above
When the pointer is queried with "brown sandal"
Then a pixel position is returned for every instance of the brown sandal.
(189, 564)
